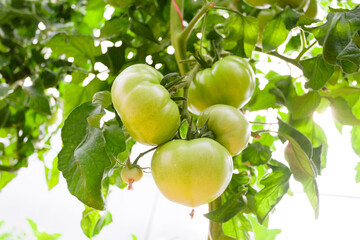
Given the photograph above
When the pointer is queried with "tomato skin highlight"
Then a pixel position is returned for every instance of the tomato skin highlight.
(229, 81)
(144, 106)
(229, 125)
(192, 172)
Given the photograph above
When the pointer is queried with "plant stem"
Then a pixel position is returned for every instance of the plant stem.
(179, 37)
(282, 57)
(216, 231)
(143, 153)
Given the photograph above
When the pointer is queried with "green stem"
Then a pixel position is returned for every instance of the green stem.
(179, 37)
(282, 57)
(143, 153)
(185, 113)
(304, 50)
(216, 231)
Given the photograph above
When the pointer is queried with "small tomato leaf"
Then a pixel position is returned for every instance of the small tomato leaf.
(227, 211)
(276, 185)
(256, 154)
(114, 139)
(92, 221)
(94, 120)
(317, 71)
(103, 98)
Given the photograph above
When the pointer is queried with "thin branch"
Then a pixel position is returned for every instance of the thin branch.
(144, 153)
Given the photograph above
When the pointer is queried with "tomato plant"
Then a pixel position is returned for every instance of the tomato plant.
(192, 172)
(212, 85)
(87, 76)
(144, 106)
(229, 125)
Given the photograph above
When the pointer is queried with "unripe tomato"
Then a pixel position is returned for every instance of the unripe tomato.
(260, 3)
(131, 174)
(296, 4)
(192, 172)
(229, 125)
(145, 107)
(311, 9)
(229, 81)
(264, 17)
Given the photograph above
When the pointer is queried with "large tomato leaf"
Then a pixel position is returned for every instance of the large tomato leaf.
(336, 34)
(278, 29)
(317, 71)
(286, 130)
(343, 112)
(350, 56)
(303, 170)
(305, 105)
(80, 47)
(92, 221)
(276, 185)
(83, 160)
(241, 35)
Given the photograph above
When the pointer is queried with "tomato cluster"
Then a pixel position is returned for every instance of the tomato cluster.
(197, 170)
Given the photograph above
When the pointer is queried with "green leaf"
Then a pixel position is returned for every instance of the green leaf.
(103, 98)
(304, 171)
(286, 130)
(75, 95)
(241, 35)
(305, 105)
(92, 221)
(227, 211)
(239, 227)
(256, 154)
(317, 71)
(5, 178)
(80, 47)
(94, 13)
(336, 33)
(350, 56)
(355, 139)
(261, 232)
(114, 139)
(115, 27)
(36, 100)
(142, 30)
(278, 29)
(276, 185)
(52, 174)
(357, 177)
(94, 120)
(342, 112)
(42, 235)
(83, 159)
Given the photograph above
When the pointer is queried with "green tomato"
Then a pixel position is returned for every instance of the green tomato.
(229, 81)
(131, 174)
(312, 9)
(144, 106)
(229, 125)
(120, 3)
(260, 3)
(296, 4)
(264, 17)
(192, 172)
